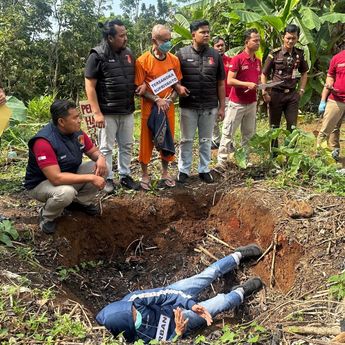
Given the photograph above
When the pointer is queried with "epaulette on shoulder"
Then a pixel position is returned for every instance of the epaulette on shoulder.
(276, 50)
(270, 55)
(299, 49)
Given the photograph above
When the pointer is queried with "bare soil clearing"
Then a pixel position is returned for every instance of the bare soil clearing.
(144, 240)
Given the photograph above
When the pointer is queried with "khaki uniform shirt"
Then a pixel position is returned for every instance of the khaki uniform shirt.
(281, 65)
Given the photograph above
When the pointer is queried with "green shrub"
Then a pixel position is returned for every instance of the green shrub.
(39, 108)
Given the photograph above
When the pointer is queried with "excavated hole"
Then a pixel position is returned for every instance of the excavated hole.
(148, 241)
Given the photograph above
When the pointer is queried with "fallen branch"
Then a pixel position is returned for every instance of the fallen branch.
(220, 241)
(205, 251)
(322, 331)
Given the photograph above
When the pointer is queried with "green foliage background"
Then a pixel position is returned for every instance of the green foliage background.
(44, 44)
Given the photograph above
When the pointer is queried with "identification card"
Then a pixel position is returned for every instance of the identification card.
(294, 73)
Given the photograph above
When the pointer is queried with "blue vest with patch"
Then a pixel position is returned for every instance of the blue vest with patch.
(69, 151)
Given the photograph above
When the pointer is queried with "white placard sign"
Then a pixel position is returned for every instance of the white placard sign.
(89, 120)
(163, 82)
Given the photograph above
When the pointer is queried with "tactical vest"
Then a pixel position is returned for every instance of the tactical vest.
(115, 89)
(199, 72)
(68, 149)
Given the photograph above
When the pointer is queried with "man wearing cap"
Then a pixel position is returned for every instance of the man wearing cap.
(285, 64)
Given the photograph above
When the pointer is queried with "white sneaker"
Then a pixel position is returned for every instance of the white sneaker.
(109, 186)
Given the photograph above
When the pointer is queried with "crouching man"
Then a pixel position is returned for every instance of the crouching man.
(169, 312)
(56, 174)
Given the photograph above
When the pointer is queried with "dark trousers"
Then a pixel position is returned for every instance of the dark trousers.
(286, 103)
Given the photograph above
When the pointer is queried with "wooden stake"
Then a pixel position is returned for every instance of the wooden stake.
(272, 279)
(265, 252)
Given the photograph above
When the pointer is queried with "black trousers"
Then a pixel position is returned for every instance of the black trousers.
(286, 103)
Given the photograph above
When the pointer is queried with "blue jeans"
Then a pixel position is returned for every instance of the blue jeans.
(190, 120)
(194, 285)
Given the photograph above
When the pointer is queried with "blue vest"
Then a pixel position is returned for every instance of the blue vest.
(68, 149)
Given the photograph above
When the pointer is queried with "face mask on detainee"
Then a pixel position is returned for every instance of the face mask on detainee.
(138, 320)
(165, 47)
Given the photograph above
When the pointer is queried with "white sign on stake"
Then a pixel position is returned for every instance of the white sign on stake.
(89, 120)
(163, 82)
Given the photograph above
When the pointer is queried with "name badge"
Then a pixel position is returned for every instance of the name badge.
(163, 327)
(63, 157)
(190, 60)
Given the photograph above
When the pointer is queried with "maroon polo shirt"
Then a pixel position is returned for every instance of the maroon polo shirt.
(248, 69)
(337, 72)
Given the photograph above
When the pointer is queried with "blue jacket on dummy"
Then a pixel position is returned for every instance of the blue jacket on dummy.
(156, 307)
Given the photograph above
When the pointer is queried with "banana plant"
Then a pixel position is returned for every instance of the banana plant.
(321, 24)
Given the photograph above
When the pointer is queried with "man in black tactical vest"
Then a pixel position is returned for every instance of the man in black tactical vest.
(110, 88)
(55, 173)
(203, 75)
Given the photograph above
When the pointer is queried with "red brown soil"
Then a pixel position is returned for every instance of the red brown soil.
(147, 240)
(242, 218)
(173, 225)
(176, 224)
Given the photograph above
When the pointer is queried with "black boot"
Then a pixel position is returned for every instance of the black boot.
(251, 251)
(251, 286)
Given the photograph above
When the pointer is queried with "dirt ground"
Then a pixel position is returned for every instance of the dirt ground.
(144, 240)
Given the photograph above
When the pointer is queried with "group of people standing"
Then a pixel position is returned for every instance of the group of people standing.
(210, 86)
(113, 76)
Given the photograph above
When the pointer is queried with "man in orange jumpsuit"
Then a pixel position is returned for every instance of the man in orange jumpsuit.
(150, 66)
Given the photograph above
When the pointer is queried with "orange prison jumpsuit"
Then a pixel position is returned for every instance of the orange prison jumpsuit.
(148, 68)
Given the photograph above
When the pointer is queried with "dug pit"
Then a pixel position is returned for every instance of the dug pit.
(148, 241)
